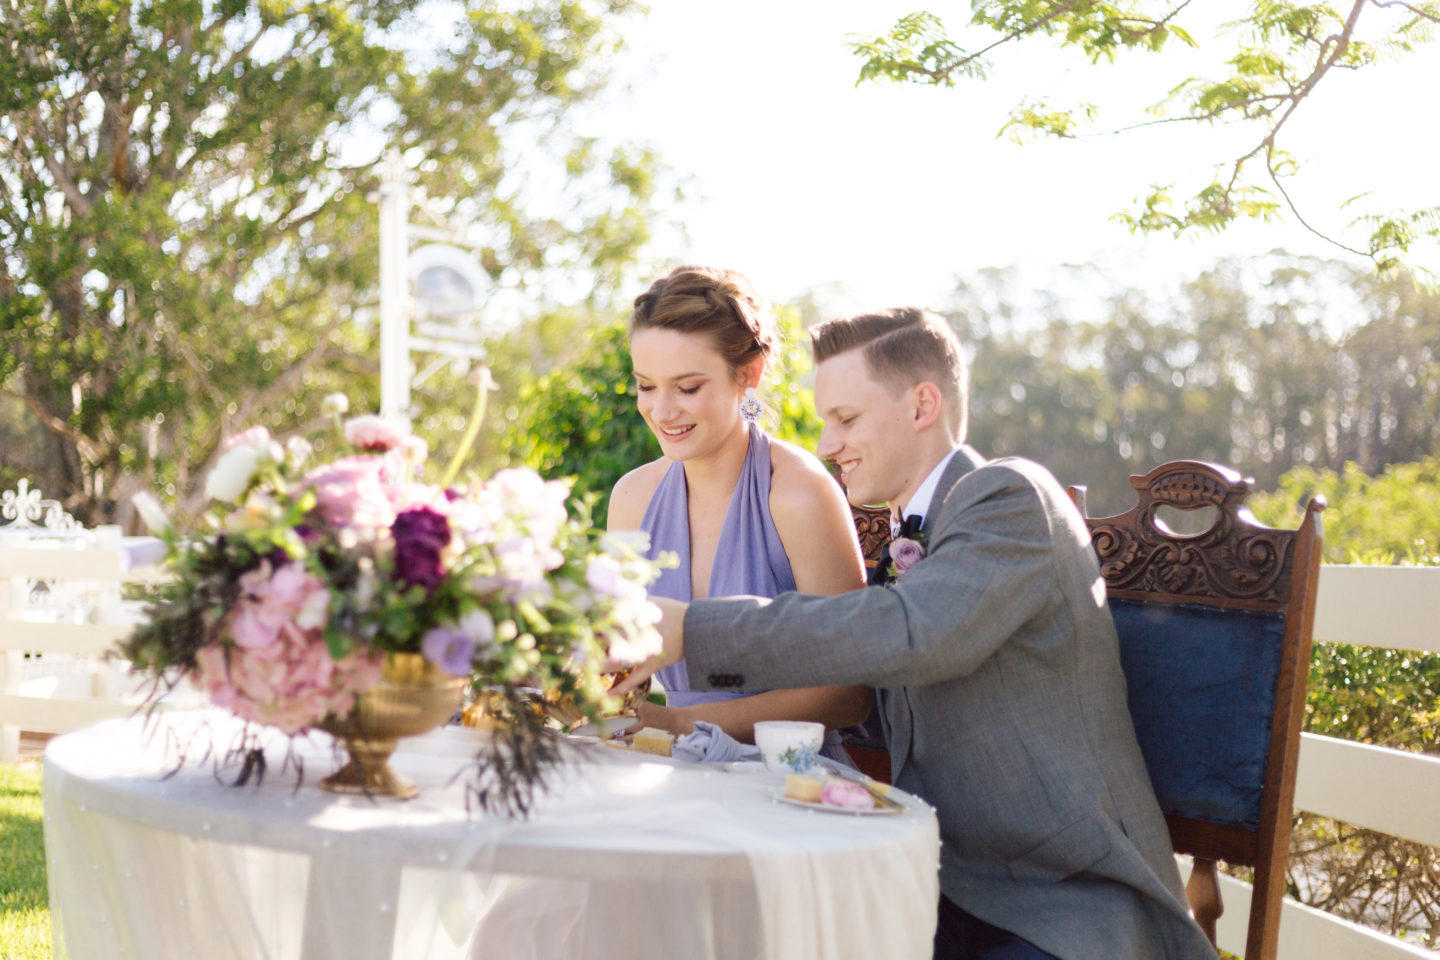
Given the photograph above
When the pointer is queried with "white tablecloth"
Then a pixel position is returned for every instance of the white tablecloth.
(625, 857)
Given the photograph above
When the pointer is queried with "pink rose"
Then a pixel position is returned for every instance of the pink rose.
(372, 434)
(904, 554)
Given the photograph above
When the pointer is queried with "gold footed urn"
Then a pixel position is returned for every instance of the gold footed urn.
(413, 696)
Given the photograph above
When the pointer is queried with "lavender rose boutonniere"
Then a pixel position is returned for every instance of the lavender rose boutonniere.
(904, 554)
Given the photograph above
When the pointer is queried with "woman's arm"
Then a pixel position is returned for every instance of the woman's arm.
(818, 533)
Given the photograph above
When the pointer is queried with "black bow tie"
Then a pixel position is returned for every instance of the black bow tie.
(910, 526)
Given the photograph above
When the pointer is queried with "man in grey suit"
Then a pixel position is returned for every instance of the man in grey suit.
(996, 661)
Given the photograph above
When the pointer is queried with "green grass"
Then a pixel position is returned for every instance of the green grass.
(24, 901)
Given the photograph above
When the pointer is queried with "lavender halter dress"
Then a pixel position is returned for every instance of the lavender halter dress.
(749, 559)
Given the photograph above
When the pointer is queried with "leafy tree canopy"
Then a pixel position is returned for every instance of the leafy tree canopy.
(187, 241)
(1276, 53)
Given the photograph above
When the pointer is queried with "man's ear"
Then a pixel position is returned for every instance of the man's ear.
(927, 404)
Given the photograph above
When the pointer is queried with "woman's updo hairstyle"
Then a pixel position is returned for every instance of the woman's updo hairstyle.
(709, 300)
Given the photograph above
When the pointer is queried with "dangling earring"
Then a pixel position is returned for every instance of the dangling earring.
(750, 408)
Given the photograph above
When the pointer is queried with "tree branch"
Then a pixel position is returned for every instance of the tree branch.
(56, 425)
(944, 75)
(1422, 14)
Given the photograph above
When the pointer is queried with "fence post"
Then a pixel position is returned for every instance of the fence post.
(11, 664)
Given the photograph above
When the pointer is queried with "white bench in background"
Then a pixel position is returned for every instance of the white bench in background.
(61, 610)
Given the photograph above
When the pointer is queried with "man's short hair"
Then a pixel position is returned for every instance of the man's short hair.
(904, 346)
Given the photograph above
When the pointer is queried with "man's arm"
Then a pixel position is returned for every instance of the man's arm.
(989, 570)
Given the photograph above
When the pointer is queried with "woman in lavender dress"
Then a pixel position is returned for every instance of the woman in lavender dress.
(745, 513)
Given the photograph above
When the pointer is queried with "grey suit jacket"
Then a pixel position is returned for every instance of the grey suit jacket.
(1005, 708)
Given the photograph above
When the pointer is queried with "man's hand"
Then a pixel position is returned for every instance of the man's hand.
(672, 719)
(672, 650)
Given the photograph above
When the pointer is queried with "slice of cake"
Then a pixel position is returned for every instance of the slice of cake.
(650, 740)
(803, 787)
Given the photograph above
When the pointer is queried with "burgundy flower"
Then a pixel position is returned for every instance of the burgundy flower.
(420, 534)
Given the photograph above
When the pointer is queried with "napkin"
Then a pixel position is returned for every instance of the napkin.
(710, 744)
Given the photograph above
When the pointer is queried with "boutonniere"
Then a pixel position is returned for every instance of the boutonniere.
(905, 552)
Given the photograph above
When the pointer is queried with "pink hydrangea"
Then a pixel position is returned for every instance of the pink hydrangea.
(291, 684)
(287, 599)
(372, 434)
(351, 492)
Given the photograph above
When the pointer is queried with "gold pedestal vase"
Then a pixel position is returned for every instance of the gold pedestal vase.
(413, 697)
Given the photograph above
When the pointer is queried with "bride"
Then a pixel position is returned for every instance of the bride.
(745, 513)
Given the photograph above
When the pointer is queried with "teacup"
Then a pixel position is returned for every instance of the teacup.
(789, 746)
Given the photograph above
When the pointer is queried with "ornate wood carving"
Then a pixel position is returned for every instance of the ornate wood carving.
(872, 525)
(1235, 559)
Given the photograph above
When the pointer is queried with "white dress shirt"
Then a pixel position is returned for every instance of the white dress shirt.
(919, 504)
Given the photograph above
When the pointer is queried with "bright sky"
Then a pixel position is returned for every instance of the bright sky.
(800, 179)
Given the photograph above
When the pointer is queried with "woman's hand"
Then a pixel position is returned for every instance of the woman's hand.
(675, 720)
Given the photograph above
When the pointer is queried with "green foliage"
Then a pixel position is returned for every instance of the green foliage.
(187, 240)
(1278, 53)
(24, 911)
(1370, 693)
(1390, 518)
(581, 421)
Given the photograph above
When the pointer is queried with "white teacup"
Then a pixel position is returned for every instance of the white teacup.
(789, 746)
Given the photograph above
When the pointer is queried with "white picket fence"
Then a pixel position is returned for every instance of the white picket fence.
(1394, 792)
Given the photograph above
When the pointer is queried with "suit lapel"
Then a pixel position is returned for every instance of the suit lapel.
(964, 461)
(897, 708)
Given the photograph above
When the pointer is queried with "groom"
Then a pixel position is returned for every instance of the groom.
(996, 659)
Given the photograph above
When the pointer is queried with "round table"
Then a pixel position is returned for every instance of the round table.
(625, 856)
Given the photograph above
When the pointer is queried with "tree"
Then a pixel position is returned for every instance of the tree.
(1277, 52)
(186, 243)
(1243, 364)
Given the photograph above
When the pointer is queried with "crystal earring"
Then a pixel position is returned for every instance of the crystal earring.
(750, 408)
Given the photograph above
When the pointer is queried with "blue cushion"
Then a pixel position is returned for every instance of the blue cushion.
(1202, 689)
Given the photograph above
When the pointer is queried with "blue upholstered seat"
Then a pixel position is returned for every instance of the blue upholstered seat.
(1202, 691)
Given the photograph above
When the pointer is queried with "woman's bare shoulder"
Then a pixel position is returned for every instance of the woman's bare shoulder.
(796, 473)
(631, 495)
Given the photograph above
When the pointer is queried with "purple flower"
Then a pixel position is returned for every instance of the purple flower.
(420, 534)
(450, 649)
(904, 554)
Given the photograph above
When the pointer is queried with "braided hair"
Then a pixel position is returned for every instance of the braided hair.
(710, 300)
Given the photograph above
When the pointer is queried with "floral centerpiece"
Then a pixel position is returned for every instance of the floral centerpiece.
(313, 581)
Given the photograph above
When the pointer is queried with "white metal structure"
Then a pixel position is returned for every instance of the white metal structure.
(400, 266)
(1391, 791)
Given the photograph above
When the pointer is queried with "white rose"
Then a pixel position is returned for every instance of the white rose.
(151, 512)
(232, 474)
